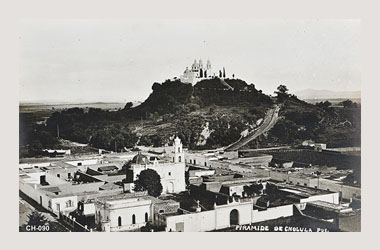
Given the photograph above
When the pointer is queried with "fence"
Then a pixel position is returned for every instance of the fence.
(73, 224)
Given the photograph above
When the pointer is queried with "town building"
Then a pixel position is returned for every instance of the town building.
(131, 211)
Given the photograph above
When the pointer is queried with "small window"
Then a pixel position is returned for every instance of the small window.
(305, 184)
(133, 219)
(69, 203)
(161, 211)
(146, 217)
(170, 173)
(179, 158)
(79, 164)
(205, 164)
(119, 221)
(179, 150)
(69, 175)
(58, 175)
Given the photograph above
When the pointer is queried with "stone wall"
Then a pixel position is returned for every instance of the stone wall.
(219, 218)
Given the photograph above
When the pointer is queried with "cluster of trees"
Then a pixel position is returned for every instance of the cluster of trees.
(226, 130)
(97, 127)
(326, 105)
(212, 92)
(222, 73)
(155, 140)
(254, 189)
(189, 129)
(319, 122)
(39, 223)
(354, 178)
(114, 137)
(164, 98)
(34, 137)
(349, 104)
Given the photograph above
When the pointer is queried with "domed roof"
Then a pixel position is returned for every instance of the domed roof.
(140, 159)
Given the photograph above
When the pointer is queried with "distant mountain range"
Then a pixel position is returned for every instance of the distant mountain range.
(326, 94)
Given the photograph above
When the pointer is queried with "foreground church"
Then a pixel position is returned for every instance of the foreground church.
(172, 172)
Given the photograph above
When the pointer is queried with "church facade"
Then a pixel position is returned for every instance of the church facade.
(197, 72)
(172, 172)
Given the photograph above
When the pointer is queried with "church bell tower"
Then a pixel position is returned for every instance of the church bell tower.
(179, 156)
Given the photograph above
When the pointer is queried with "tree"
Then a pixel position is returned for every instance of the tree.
(35, 148)
(36, 219)
(349, 104)
(282, 89)
(282, 93)
(257, 188)
(128, 105)
(324, 105)
(150, 181)
(248, 190)
(224, 73)
(220, 73)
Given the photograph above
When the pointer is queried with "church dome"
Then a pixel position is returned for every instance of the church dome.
(140, 159)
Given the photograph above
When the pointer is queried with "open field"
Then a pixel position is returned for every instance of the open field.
(334, 102)
(33, 107)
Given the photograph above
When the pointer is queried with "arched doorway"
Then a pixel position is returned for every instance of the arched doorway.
(234, 217)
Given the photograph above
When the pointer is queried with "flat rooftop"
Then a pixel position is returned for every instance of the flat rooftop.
(123, 196)
(60, 164)
(330, 206)
(301, 190)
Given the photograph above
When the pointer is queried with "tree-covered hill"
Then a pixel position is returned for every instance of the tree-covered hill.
(207, 115)
(168, 96)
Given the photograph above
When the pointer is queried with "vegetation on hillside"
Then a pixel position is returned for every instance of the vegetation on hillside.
(207, 115)
(337, 127)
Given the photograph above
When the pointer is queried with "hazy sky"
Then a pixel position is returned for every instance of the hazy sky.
(119, 60)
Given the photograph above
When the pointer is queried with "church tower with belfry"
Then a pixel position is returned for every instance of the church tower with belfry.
(179, 155)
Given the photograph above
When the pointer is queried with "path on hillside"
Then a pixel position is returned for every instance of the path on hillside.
(269, 121)
(226, 84)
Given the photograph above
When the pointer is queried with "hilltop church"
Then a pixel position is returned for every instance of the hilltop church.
(197, 72)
